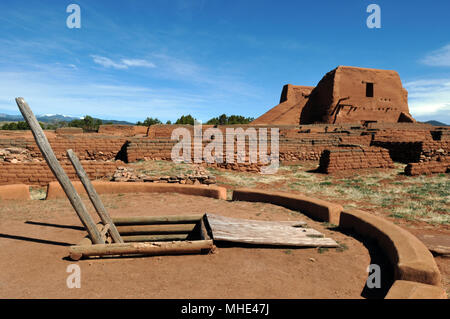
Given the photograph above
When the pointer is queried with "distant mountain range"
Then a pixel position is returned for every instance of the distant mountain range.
(436, 123)
(52, 118)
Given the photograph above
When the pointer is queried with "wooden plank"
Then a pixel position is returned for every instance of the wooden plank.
(155, 220)
(147, 238)
(93, 196)
(265, 233)
(156, 229)
(146, 248)
(61, 176)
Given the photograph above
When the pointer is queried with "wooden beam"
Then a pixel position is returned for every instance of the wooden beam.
(155, 220)
(148, 238)
(93, 196)
(203, 229)
(103, 229)
(156, 229)
(146, 248)
(55, 167)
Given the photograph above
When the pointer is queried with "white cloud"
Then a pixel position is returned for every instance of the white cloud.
(62, 93)
(139, 63)
(123, 64)
(440, 57)
(429, 98)
(58, 89)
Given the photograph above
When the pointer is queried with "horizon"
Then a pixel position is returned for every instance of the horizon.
(164, 59)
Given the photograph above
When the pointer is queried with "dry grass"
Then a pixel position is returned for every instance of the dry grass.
(389, 192)
(422, 198)
(162, 168)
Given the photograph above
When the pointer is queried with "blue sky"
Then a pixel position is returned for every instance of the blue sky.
(165, 58)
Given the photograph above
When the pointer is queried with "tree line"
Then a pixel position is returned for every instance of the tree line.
(90, 124)
(189, 119)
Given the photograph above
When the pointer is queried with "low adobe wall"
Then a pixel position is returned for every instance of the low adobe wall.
(91, 146)
(416, 273)
(348, 158)
(124, 130)
(16, 192)
(414, 169)
(69, 130)
(38, 173)
(315, 208)
(402, 289)
(55, 190)
(411, 259)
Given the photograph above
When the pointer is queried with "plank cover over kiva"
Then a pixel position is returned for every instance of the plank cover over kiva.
(266, 232)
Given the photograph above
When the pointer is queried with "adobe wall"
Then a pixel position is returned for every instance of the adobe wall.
(405, 142)
(413, 152)
(123, 130)
(40, 174)
(69, 130)
(86, 146)
(435, 167)
(55, 190)
(341, 97)
(293, 99)
(348, 158)
(15, 192)
(290, 149)
(319, 101)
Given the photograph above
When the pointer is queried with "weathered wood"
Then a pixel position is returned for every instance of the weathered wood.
(203, 231)
(149, 238)
(146, 248)
(265, 233)
(155, 220)
(156, 229)
(85, 241)
(55, 167)
(102, 229)
(93, 196)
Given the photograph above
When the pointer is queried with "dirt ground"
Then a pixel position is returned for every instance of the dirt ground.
(35, 235)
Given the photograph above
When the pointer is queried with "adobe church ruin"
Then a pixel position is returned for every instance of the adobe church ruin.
(344, 95)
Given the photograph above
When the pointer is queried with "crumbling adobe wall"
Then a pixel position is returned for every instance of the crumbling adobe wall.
(404, 127)
(402, 152)
(86, 146)
(434, 150)
(21, 160)
(434, 167)
(123, 130)
(148, 149)
(69, 130)
(40, 174)
(348, 158)
(293, 99)
(413, 152)
(403, 140)
(441, 134)
(434, 158)
(295, 143)
(319, 102)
